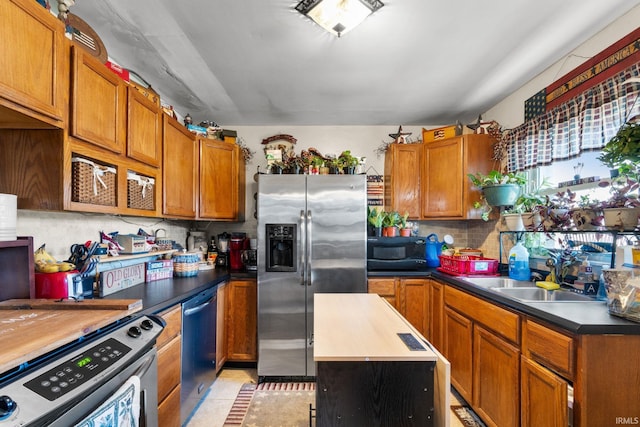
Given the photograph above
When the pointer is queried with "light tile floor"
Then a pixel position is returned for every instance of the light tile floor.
(213, 410)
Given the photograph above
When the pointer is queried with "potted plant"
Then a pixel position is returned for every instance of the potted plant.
(531, 205)
(349, 162)
(277, 167)
(390, 224)
(335, 165)
(375, 218)
(405, 228)
(587, 214)
(556, 213)
(316, 162)
(294, 165)
(622, 209)
(623, 148)
(498, 189)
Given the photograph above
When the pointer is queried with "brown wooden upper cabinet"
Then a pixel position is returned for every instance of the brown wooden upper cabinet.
(430, 180)
(179, 170)
(98, 103)
(143, 129)
(402, 178)
(33, 78)
(222, 181)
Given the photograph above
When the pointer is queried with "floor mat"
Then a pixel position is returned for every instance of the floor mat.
(273, 404)
(466, 416)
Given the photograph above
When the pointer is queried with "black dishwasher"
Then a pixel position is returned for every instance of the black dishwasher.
(198, 349)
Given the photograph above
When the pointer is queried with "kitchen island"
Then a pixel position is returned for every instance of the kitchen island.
(366, 374)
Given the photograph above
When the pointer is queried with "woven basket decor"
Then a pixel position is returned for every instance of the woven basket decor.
(140, 192)
(186, 265)
(92, 183)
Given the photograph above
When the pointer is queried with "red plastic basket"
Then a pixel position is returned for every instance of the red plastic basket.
(459, 265)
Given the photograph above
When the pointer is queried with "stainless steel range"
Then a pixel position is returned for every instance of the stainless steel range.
(110, 374)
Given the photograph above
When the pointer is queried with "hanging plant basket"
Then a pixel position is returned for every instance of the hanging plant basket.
(501, 194)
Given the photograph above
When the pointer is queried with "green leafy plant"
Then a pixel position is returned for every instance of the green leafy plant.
(347, 159)
(492, 179)
(375, 217)
(623, 148)
(391, 219)
(624, 192)
(403, 220)
(495, 177)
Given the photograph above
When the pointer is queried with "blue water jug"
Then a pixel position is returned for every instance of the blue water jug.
(432, 250)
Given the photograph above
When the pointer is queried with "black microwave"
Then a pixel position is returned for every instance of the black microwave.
(396, 253)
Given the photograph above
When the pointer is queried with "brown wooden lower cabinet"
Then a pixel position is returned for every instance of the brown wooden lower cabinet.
(242, 305)
(496, 371)
(169, 409)
(458, 349)
(221, 326)
(169, 345)
(544, 396)
(410, 296)
(436, 313)
(168, 367)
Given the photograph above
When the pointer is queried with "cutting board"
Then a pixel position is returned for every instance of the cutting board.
(87, 304)
(28, 333)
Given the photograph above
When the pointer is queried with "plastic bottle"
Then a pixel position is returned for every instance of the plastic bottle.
(519, 262)
(212, 251)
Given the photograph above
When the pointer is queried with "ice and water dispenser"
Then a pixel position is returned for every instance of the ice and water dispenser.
(281, 247)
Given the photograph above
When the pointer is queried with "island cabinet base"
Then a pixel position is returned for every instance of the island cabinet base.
(375, 393)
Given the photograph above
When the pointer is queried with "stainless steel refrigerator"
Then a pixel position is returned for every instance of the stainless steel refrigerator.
(312, 238)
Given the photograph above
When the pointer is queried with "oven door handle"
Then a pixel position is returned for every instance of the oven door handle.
(140, 372)
(142, 369)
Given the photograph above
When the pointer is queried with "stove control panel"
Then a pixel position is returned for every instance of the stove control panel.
(71, 374)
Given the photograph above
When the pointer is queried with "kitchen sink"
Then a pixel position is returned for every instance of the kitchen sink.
(497, 282)
(533, 294)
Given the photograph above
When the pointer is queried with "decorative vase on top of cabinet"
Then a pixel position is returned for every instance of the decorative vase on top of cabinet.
(34, 78)
(222, 181)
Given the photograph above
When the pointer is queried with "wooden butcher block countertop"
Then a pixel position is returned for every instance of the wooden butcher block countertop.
(361, 327)
(31, 328)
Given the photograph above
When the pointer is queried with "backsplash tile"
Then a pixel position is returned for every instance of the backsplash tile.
(59, 230)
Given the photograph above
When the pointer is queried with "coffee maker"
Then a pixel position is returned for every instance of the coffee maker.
(223, 250)
(237, 245)
(250, 256)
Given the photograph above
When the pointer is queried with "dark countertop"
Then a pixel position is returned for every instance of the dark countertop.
(576, 317)
(161, 294)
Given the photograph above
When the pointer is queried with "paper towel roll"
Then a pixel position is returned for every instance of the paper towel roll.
(8, 216)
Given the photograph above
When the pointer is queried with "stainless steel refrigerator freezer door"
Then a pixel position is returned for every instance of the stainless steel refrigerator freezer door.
(337, 237)
(281, 295)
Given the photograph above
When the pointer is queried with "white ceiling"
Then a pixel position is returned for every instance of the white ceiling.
(414, 62)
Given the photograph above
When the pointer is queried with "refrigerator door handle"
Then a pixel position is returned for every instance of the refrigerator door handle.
(309, 245)
(302, 266)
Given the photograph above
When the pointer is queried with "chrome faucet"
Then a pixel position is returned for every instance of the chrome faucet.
(535, 276)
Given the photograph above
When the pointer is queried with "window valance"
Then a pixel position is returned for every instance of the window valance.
(583, 123)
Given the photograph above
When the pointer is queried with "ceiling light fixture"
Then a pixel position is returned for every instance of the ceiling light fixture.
(338, 16)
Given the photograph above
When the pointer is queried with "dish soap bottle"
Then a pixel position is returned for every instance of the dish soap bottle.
(519, 262)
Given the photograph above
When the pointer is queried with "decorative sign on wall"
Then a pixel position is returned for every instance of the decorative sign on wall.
(610, 61)
(375, 190)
